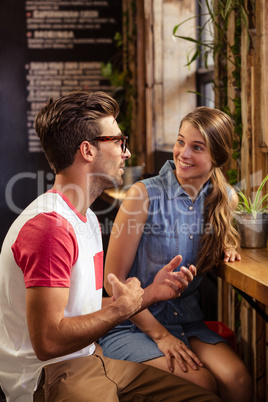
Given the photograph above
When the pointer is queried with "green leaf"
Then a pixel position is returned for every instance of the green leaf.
(260, 190)
(235, 144)
(232, 176)
(190, 39)
(183, 22)
(228, 8)
(195, 56)
(236, 74)
(236, 155)
(253, 206)
(262, 200)
(232, 173)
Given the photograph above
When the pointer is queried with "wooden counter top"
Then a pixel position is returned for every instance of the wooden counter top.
(250, 274)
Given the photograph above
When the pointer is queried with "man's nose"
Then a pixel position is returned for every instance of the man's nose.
(127, 154)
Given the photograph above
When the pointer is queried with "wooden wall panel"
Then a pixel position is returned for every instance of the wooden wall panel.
(149, 81)
(262, 69)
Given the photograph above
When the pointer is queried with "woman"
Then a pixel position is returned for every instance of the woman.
(185, 210)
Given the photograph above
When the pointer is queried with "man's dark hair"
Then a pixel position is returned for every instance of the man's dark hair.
(64, 123)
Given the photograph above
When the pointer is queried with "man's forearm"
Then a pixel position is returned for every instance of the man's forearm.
(75, 333)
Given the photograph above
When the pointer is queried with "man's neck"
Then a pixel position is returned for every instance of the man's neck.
(80, 190)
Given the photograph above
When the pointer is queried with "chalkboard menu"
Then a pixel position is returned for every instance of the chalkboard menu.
(48, 48)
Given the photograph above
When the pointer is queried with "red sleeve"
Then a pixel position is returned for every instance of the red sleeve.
(45, 250)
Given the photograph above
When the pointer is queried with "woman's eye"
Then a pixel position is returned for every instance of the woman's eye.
(197, 148)
(180, 142)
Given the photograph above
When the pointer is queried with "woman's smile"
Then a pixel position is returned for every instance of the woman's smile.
(184, 164)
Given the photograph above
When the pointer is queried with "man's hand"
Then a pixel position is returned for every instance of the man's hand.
(130, 294)
(168, 284)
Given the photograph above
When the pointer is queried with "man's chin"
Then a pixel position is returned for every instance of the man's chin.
(115, 183)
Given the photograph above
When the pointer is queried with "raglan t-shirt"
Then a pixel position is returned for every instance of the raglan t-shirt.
(50, 244)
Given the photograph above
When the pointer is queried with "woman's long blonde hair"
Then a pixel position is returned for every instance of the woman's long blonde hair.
(217, 130)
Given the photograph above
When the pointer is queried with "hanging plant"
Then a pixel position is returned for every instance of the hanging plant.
(217, 47)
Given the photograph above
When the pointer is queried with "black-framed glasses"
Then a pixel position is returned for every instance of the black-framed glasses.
(122, 138)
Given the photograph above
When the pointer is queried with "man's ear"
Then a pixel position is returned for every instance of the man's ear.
(87, 150)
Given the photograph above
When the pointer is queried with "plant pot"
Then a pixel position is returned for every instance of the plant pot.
(131, 175)
(253, 232)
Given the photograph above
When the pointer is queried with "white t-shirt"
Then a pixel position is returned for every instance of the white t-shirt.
(50, 244)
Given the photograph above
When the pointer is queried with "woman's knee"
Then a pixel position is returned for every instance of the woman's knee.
(234, 382)
(241, 380)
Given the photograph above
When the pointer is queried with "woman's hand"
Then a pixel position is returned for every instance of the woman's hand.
(231, 255)
(174, 348)
(168, 284)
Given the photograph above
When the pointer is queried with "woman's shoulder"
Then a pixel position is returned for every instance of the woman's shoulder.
(153, 185)
(232, 196)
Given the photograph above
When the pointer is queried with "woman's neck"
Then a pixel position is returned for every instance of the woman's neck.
(191, 187)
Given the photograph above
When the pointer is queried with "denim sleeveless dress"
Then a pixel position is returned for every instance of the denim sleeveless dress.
(174, 226)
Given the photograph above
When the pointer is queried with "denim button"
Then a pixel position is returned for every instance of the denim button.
(191, 236)
(175, 313)
(191, 207)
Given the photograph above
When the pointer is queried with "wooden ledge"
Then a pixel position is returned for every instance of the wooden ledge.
(249, 275)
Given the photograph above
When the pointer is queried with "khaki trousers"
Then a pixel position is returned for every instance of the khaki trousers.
(99, 379)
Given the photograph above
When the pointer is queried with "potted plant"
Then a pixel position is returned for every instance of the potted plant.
(251, 218)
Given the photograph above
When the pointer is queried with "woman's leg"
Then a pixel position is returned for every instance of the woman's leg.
(233, 379)
(201, 376)
(136, 346)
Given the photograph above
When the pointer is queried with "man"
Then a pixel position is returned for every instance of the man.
(52, 311)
